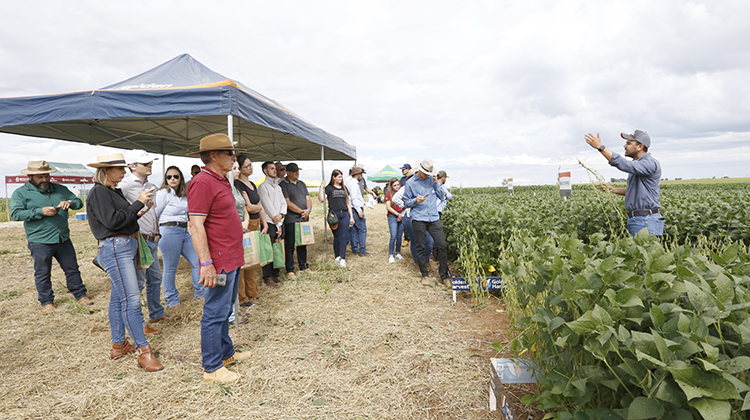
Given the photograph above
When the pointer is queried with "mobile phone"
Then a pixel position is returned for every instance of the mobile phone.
(221, 279)
(427, 195)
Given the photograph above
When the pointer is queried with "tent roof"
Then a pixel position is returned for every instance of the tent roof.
(167, 110)
(70, 169)
(385, 174)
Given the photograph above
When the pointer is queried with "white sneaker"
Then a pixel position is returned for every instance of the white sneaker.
(338, 259)
(399, 257)
(342, 263)
(391, 260)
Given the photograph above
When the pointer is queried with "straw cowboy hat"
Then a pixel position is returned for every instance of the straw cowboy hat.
(427, 167)
(109, 159)
(216, 142)
(38, 167)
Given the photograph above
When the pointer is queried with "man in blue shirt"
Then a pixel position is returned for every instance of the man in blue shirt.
(644, 174)
(358, 231)
(422, 194)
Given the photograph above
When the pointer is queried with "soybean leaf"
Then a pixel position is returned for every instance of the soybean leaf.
(730, 254)
(736, 365)
(697, 297)
(662, 263)
(669, 391)
(724, 289)
(712, 409)
(645, 408)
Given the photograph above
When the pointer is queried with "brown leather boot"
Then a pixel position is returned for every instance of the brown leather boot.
(119, 350)
(147, 360)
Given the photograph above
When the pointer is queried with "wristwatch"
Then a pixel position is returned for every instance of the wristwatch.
(601, 148)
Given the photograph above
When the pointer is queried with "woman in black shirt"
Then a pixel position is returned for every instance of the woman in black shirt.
(247, 289)
(338, 203)
(114, 222)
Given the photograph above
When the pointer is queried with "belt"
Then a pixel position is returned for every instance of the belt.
(150, 238)
(180, 224)
(642, 212)
(132, 235)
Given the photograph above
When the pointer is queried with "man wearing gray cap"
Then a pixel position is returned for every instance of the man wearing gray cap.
(644, 175)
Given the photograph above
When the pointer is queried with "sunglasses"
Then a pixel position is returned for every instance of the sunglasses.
(228, 152)
(172, 176)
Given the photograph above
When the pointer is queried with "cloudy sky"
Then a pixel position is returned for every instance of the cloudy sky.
(488, 89)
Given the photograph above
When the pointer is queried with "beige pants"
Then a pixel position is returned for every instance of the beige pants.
(247, 289)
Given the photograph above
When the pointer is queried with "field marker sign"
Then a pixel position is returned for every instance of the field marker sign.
(508, 371)
(488, 283)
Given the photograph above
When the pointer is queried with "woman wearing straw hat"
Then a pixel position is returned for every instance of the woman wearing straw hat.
(114, 222)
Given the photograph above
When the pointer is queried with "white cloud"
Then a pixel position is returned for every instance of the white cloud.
(505, 87)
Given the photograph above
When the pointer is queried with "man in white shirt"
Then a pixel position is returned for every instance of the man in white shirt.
(358, 231)
(132, 186)
(274, 205)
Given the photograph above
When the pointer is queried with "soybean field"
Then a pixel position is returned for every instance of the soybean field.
(618, 327)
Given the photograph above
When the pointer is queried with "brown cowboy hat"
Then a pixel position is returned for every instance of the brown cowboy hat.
(108, 160)
(216, 142)
(38, 167)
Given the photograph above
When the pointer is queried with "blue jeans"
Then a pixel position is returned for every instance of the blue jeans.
(118, 257)
(65, 255)
(397, 229)
(358, 234)
(341, 234)
(653, 222)
(176, 241)
(151, 277)
(428, 241)
(217, 307)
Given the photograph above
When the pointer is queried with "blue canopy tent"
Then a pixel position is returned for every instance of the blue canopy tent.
(167, 110)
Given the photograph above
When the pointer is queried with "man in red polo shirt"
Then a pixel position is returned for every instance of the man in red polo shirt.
(217, 238)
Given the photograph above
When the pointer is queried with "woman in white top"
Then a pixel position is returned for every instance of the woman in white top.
(172, 213)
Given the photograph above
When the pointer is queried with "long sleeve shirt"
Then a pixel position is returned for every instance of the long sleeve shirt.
(427, 210)
(644, 176)
(444, 201)
(170, 207)
(110, 213)
(132, 187)
(398, 199)
(355, 194)
(272, 199)
(26, 205)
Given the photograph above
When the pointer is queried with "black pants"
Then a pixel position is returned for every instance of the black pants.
(289, 250)
(436, 231)
(268, 270)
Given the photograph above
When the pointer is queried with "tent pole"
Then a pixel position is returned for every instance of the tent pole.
(7, 202)
(230, 175)
(322, 179)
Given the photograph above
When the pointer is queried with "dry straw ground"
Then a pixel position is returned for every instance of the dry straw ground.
(367, 342)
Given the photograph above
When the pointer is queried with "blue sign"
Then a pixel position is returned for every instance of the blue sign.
(488, 283)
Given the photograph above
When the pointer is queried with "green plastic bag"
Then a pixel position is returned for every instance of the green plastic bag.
(265, 250)
(278, 255)
(145, 258)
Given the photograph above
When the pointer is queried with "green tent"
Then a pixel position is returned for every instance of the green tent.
(385, 174)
